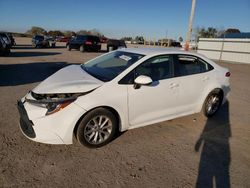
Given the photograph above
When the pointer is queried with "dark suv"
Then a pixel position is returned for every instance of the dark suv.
(84, 43)
(6, 39)
(4, 48)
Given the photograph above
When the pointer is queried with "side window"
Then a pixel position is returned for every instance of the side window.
(186, 65)
(157, 68)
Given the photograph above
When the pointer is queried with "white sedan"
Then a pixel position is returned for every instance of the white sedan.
(121, 90)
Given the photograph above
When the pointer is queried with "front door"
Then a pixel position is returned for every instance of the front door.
(152, 103)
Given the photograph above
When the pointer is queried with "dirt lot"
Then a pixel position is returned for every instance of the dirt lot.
(184, 152)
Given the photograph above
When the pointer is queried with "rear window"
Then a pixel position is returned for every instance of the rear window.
(80, 37)
(94, 38)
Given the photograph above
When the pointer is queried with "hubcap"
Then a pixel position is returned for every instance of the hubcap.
(213, 104)
(98, 129)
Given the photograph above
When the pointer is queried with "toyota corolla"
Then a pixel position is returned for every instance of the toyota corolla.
(121, 90)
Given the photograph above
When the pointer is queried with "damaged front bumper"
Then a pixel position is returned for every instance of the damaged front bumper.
(25, 124)
(56, 128)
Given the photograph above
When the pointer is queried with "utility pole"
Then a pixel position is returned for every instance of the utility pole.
(188, 37)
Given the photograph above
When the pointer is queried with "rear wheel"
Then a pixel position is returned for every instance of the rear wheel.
(97, 128)
(212, 103)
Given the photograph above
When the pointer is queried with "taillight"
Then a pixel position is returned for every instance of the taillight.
(228, 74)
(88, 43)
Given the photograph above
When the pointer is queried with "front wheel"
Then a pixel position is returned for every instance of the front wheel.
(97, 128)
(212, 103)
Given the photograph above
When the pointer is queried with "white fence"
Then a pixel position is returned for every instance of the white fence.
(234, 50)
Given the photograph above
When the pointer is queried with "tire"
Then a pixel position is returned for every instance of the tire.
(82, 48)
(212, 103)
(97, 128)
(68, 47)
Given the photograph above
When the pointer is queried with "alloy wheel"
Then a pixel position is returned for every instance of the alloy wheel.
(213, 104)
(98, 129)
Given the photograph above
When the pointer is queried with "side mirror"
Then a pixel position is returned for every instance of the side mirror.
(142, 80)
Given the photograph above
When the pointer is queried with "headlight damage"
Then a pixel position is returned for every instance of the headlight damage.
(53, 102)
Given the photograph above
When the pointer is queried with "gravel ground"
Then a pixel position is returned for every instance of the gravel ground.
(184, 152)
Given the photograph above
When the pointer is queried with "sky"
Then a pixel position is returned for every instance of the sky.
(153, 19)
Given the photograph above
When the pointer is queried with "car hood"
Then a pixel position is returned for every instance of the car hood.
(71, 79)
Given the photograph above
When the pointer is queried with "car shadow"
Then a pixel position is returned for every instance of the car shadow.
(29, 47)
(19, 74)
(215, 151)
(23, 46)
(32, 54)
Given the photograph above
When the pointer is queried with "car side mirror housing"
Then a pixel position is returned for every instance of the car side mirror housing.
(142, 80)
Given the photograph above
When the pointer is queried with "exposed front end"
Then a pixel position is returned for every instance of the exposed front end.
(40, 126)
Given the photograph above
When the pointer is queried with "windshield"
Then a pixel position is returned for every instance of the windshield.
(109, 66)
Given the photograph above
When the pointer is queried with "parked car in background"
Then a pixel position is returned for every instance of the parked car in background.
(103, 39)
(51, 40)
(114, 44)
(39, 41)
(84, 43)
(4, 48)
(6, 38)
(176, 44)
(63, 39)
(121, 90)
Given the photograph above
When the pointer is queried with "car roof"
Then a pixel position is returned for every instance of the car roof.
(152, 51)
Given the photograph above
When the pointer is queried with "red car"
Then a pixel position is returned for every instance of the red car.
(63, 39)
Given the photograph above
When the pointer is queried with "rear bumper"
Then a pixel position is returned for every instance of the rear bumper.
(92, 47)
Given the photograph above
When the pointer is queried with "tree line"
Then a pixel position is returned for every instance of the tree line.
(41, 31)
(203, 32)
(212, 32)
(198, 32)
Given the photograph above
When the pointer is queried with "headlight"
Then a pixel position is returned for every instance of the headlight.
(54, 102)
(55, 107)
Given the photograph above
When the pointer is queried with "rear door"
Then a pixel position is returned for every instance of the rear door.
(193, 76)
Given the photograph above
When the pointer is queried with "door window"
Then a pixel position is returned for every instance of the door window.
(157, 68)
(186, 65)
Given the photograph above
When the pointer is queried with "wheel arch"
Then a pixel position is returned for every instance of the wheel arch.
(105, 107)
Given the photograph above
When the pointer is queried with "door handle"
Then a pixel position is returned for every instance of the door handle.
(173, 85)
(205, 78)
